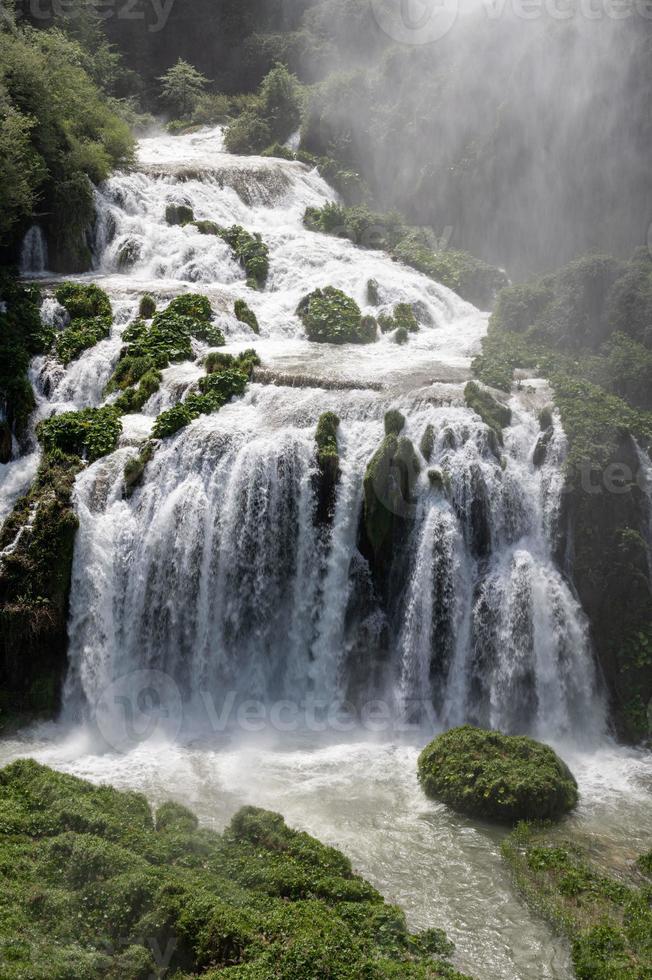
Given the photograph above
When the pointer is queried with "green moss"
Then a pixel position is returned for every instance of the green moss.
(22, 335)
(135, 468)
(498, 777)
(330, 316)
(252, 253)
(394, 422)
(546, 418)
(373, 292)
(404, 317)
(427, 444)
(401, 336)
(607, 917)
(179, 214)
(206, 227)
(147, 306)
(493, 414)
(86, 869)
(89, 434)
(246, 315)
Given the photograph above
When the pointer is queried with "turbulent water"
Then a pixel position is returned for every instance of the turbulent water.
(212, 600)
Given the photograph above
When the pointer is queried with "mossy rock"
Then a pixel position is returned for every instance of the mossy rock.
(497, 777)
(427, 444)
(494, 415)
(147, 306)
(332, 317)
(83, 301)
(245, 314)
(328, 464)
(394, 422)
(401, 336)
(179, 214)
(206, 227)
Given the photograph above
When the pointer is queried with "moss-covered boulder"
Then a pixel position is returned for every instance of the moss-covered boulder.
(497, 777)
(179, 214)
(328, 466)
(251, 252)
(494, 414)
(332, 317)
(92, 886)
(246, 315)
(147, 306)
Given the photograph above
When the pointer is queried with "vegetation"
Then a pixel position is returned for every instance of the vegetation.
(473, 279)
(91, 317)
(89, 434)
(90, 874)
(251, 252)
(179, 214)
(181, 87)
(584, 328)
(59, 134)
(328, 465)
(497, 777)
(494, 415)
(22, 335)
(269, 118)
(330, 316)
(146, 307)
(226, 378)
(607, 917)
(244, 314)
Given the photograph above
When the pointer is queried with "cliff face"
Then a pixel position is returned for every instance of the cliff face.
(607, 559)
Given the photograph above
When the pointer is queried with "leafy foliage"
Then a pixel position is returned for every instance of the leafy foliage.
(89, 434)
(330, 316)
(181, 87)
(245, 314)
(473, 279)
(607, 917)
(269, 118)
(252, 253)
(499, 777)
(88, 872)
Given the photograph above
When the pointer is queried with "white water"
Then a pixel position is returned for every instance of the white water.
(212, 586)
(34, 252)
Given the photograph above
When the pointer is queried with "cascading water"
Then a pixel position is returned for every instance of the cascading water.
(34, 252)
(216, 572)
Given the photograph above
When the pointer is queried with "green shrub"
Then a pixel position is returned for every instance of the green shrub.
(147, 307)
(404, 317)
(170, 421)
(193, 305)
(260, 900)
(401, 336)
(251, 252)
(246, 315)
(247, 135)
(497, 777)
(330, 316)
(90, 434)
(83, 302)
(79, 336)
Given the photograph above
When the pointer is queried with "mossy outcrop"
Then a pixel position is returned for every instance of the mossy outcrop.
(494, 415)
(94, 883)
(246, 315)
(37, 541)
(91, 317)
(22, 335)
(604, 911)
(496, 777)
(328, 466)
(251, 252)
(331, 317)
(179, 214)
(147, 306)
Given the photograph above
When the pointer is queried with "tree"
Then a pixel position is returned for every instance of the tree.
(181, 87)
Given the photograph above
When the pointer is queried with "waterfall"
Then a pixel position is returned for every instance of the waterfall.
(216, 571)
(34, 252)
